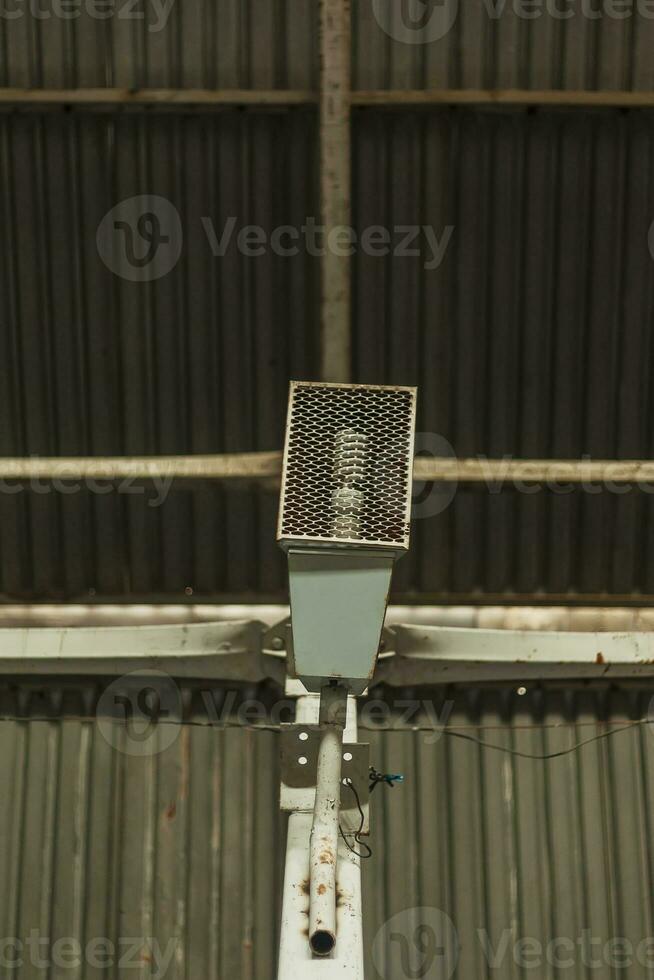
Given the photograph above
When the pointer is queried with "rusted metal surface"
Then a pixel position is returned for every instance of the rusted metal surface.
(335, 189)
(323, 843)
(428, 655)
(346, 960)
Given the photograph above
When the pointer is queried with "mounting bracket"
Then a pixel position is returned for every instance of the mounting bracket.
(299, 756)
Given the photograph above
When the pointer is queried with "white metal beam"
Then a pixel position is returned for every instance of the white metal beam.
(438, 655)
(233, 650)
(210, 651)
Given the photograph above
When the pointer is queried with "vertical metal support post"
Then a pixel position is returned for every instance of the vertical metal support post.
(296, 960)
(335, 192)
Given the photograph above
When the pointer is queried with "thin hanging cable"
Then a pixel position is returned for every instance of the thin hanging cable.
(431, 729)
(357, 835)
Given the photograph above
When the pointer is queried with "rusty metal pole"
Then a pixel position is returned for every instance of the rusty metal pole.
(335, 193)
(296, 958)
(323, 846)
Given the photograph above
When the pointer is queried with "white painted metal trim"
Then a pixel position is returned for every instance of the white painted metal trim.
(441, 655)
(210, 651)
(424, 654)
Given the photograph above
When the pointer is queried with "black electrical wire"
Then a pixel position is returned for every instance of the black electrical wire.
(450, 732)
(357, 836)
(532, 755)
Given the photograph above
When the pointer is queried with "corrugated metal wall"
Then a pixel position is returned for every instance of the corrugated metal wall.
(187, 846)
(491, 45)
(272, 44)
(531, 338)
(168, 44)
(197, 361)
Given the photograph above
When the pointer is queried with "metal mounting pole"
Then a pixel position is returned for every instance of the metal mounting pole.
(296, 959)
(324, 832)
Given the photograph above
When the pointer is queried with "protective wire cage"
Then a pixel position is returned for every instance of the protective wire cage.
(348, 464)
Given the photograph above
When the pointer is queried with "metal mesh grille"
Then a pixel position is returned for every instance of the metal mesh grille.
(348, 464)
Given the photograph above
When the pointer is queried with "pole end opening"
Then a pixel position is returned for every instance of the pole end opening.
(322, 942)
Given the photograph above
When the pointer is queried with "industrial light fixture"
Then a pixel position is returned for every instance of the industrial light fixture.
(343, 521)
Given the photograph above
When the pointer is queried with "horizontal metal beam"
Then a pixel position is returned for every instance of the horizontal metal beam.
(493, 471)
(544, 97)
(443, 655)
(573, 618)
(231, 466)
(169, 97)
(267, 466)
(235, 651)
(156, 97)
(229, 651)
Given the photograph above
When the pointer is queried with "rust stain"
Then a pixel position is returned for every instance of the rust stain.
(326, 858)
(185, 768)
(322, 889)
(341, 898)
(171, 810)
(304, 887)
(599, 659)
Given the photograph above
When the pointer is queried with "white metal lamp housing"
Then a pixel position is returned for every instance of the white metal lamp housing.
(344, 519)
